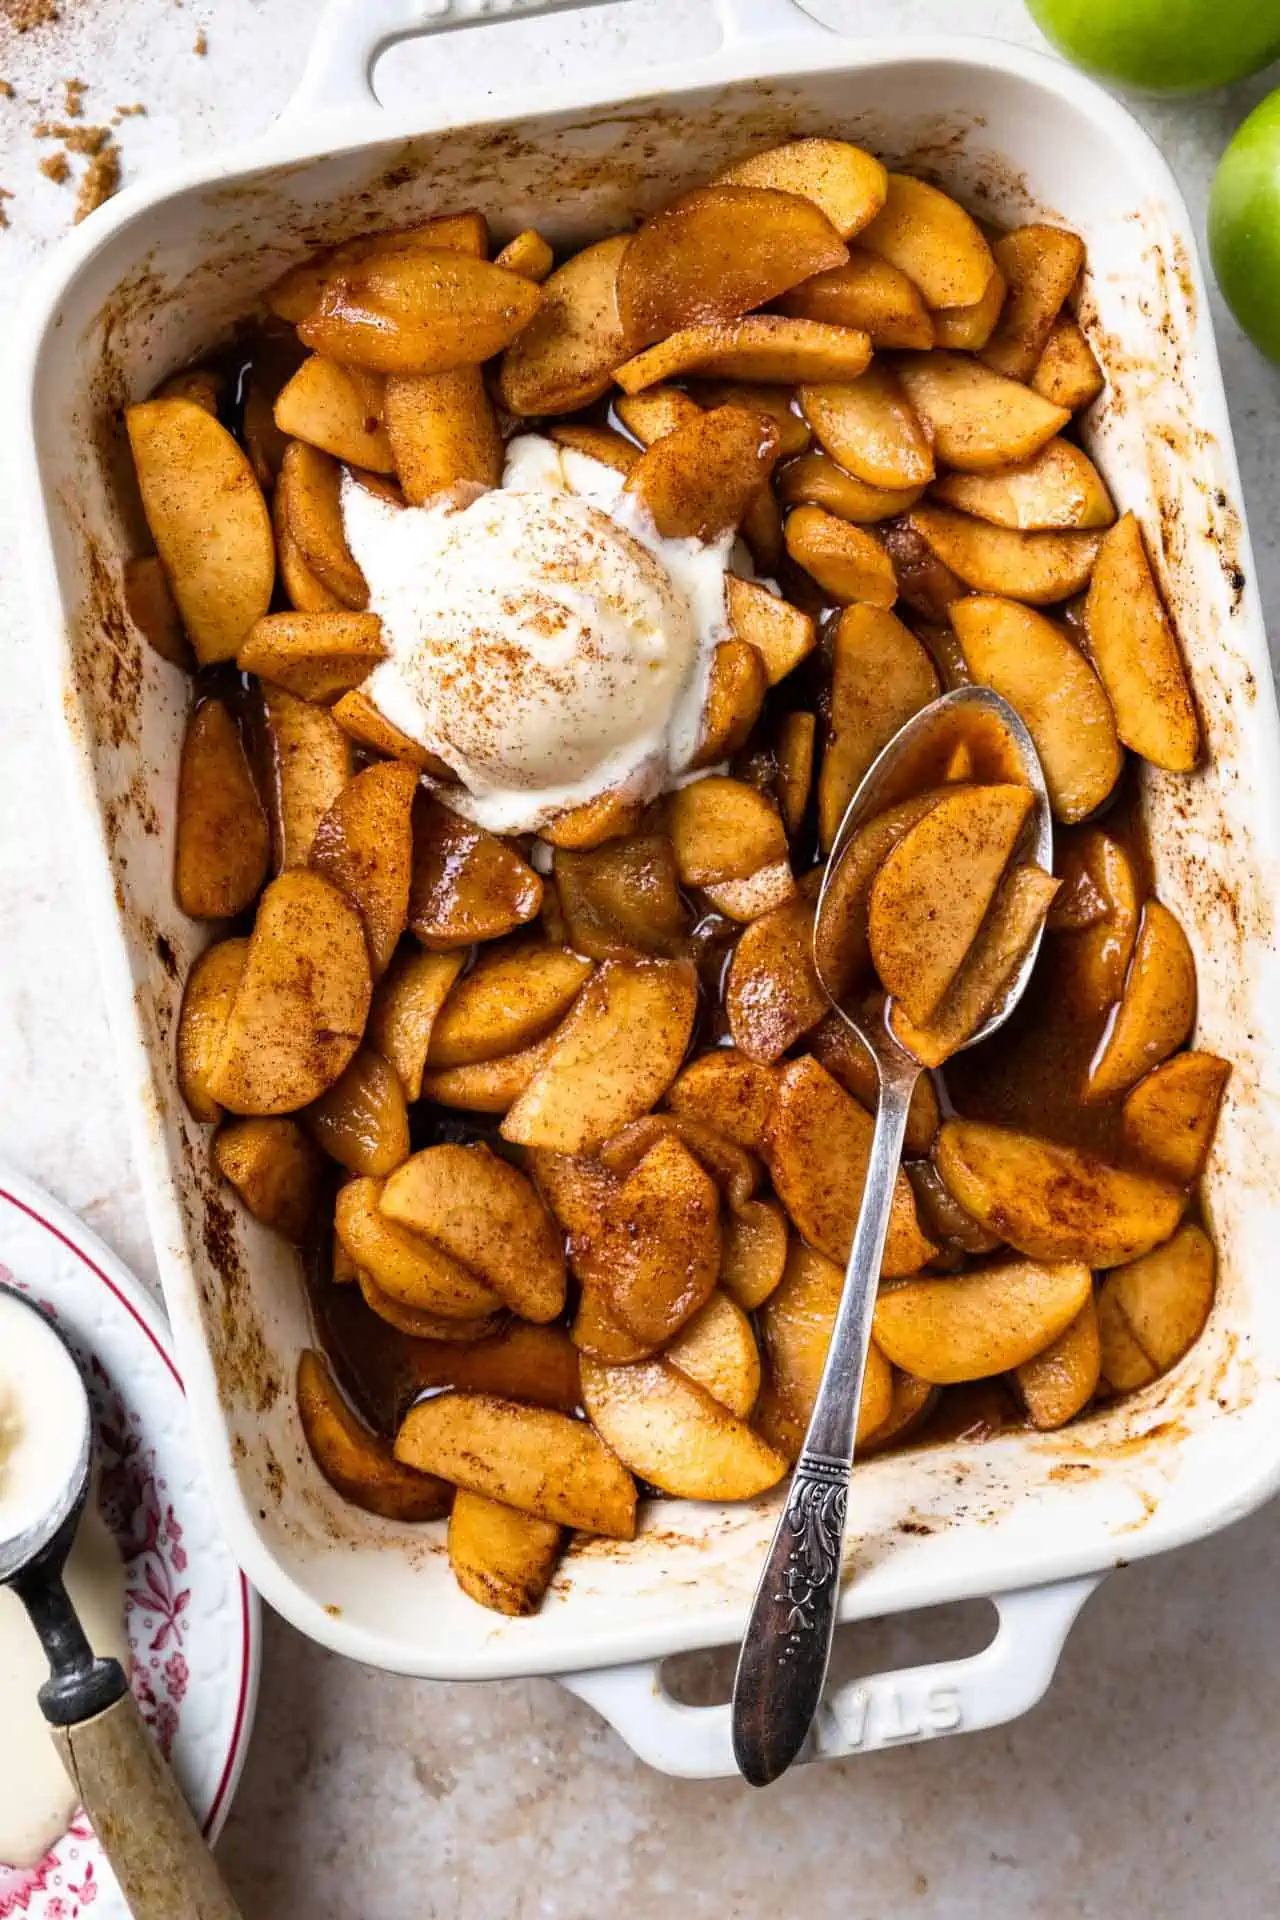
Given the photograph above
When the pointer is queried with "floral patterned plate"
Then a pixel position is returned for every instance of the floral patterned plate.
(191, 1616)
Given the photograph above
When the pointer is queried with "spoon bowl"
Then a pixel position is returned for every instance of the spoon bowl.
(943, 723)
(787, 1645)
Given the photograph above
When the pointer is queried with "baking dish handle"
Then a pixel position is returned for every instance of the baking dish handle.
(353, 34)
(980, 1690)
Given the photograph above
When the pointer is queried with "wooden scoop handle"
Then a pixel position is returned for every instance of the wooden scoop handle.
(148, 1833)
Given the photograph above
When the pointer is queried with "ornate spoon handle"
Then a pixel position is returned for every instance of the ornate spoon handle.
(783, 1663)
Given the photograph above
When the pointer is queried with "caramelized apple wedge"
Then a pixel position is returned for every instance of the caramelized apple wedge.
(847, 563)
(275, 1170)
(623, 898)
(968, 329)
(565, 357)
(870, 428)
(753, 1252)
(675, 1434)
(517, 1362)
(467, 884)
(512, 996)
(931, 895)
(208, 519)
(316, 656)
(207, 999)
(662, 1245)
(1055, 691)
(763, 346)
(359, 1464)
(501, 1558)
(364, 844)
(442, 432)
(796, 1323)
(406, 1002)
(1053, 1202)
(309, 496)
(1133, 646)
(1038, 567)
(931, 239)
(736, 688)
(295, 293)
(1096, 868)
(310, 762)
(967, 1326)
(362, 722)
(486, 1215)
(880, 676)
(222, 844)
(728, 1091)
(1153, 1309)
(699, 481)
(735, 1171)
(795, 750)
(1067, 374)
(421, 312)
(361, 1121)
(773, 994)
(487, 1086)
(323, 404)
(530, 1458)
(1062, 1380)
(1059, 487)
(722, 829)
(1170, 1116)
(976, 419)
(814, 480)
(844, 947)
(988, 970)
(611, 816)
(713, 254)
(412, 1270)
(781, 634)
(846, 183)
(819, 1142)
(1040, 265)
(615, 1055)
(1157, 1008)
(868, 293)
(300, 1008)
(717, 1350)
(759, 893)
(528, 253)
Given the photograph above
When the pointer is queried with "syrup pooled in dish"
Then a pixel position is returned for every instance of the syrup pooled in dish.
(511, 828)
(546, 642)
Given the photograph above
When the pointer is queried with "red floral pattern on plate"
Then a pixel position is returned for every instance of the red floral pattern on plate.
(131, 1500)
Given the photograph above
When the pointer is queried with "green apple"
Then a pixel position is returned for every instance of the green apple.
(1244, 226)
(1163, 46)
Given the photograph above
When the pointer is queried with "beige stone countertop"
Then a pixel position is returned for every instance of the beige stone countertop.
(1142, 1786)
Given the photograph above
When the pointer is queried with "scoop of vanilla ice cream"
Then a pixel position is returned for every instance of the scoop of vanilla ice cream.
(548, 645)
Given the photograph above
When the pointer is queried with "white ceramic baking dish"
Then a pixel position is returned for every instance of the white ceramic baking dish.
(1032, 1520)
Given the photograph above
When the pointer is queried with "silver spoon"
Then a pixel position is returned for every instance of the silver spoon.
(144, 1825)
(787, 1645)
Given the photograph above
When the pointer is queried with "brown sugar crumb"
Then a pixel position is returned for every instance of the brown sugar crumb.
(127, 113)
(101, 179)
(6, 90)
(55, 167)
(87, 140)
(73, 92)
(4, 215)
(26, 14)
(200, 44)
